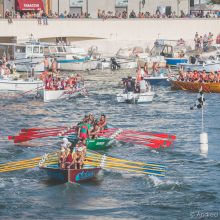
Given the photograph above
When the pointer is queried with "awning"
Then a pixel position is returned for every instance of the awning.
(30, 5)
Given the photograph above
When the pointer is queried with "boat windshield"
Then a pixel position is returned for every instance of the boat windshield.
(61, 49)
(53, 50)
(20, 49)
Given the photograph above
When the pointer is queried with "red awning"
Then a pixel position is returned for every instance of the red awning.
(30, 5)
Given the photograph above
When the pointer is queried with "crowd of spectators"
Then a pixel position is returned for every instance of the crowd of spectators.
(102, 14)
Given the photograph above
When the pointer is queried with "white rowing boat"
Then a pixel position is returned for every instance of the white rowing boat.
(52, 95)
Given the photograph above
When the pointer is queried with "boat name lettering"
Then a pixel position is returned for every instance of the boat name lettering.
(100, 143)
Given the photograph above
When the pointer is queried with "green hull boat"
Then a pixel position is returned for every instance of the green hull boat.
(99, 143)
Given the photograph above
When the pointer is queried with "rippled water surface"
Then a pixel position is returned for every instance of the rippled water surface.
(191, 185)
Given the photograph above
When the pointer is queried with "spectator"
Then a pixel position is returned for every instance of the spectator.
(44, 17)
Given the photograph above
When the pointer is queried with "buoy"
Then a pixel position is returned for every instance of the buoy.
(204, 143)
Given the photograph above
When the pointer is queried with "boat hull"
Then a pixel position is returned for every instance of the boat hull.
(175, 61)
(158, 80)
(20, 85)
(99, 143)
(71, 175)
(195, 86)
(79, 66)
(52, 95)
(131, 97)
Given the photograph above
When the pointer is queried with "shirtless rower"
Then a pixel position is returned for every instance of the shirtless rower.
(102, 122)
(95, 132)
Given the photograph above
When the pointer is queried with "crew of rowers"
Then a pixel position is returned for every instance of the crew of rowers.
(54, 82)
(73, 157)
(199, 76)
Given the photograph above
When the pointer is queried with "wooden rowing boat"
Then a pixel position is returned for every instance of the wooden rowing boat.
(71, 175)
(211, 87)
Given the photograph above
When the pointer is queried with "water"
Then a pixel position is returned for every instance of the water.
(189, 191)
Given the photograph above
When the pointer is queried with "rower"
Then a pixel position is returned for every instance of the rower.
(78, 157)
(69, 158)
(91, 119)
(95, 131)
(62, 158)
(84, 129)
(66, 144)
(102, 122)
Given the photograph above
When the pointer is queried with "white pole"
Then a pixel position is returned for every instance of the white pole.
(203, 136)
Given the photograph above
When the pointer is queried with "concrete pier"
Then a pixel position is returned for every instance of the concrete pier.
(116, 32)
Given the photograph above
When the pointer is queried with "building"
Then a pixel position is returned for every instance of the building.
(92, 6)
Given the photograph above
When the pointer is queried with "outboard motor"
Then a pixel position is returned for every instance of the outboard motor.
(114, 64)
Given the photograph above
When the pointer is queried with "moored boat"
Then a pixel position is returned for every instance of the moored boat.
(210, 87)
(20, 85)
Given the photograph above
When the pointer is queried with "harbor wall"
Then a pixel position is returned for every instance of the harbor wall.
(109, 35)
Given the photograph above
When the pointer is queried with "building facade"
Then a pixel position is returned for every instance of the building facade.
(92, 6)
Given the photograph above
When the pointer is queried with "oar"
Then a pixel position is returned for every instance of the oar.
(95, 155)
(42, 129)
(115, 164)
(125, 132)
(128, 170)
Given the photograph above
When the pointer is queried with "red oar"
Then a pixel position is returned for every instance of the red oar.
(41, 129)
(145, 141)
(160, 135)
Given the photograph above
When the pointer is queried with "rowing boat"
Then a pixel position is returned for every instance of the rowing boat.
(211, 87)
(52, 95)
(71, 175)
(100, 143)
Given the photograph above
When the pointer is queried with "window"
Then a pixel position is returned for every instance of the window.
(29, 49)
(20, 49)
(36, 49)
(60, 49)
(53, 49)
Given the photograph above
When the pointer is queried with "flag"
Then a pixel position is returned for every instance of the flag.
(200, 100)
(143, 3)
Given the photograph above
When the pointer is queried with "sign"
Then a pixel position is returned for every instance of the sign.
(121, 3)
(76, 3)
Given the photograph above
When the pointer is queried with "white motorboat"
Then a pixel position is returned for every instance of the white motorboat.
(116, 63)
(131, 97)
(77, 59)
(20, 85)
